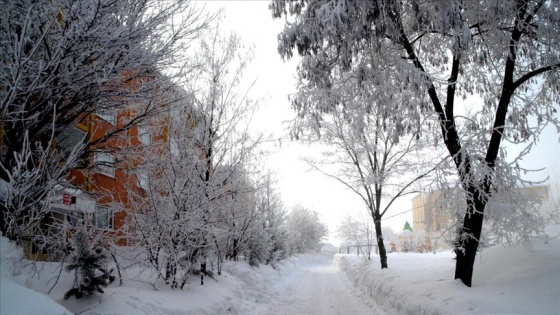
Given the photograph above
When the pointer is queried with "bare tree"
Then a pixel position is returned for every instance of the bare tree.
(223, 111)
(305, 229)
(358, 231)
(504, 52)
(198, 203)
(270, 237)
(366, 155)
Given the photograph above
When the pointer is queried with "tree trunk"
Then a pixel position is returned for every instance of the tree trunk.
(170, 274)
(469, 236)
(234, 253)
(380, 244)
(202, 272)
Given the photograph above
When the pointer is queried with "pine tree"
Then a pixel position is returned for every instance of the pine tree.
(86, 263)
(259, 247)
(407, 226)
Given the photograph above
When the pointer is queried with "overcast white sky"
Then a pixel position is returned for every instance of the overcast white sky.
(252, 21)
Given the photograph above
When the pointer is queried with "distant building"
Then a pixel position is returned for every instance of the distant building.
(432, 210)
(429, 212)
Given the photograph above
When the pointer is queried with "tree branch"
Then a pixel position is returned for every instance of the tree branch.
(534, 73)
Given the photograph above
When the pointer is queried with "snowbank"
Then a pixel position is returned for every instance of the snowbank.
(16, 298)
(506, 280)
(241, 289)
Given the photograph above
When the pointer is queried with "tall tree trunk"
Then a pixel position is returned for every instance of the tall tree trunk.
(380, 244)
(234, 252)
(469, 236)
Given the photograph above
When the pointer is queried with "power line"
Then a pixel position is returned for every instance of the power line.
(394, 215)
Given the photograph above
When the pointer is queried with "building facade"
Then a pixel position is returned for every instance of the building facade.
(433, 211)
(108, 176)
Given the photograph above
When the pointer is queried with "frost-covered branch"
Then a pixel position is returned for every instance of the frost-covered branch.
(452, 57)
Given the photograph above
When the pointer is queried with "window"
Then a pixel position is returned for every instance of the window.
(105, 163)
(104, 218)
(69, 138)
(142, 178)
(109, 115)
(75, 219)
(72, 138)
(144, 135)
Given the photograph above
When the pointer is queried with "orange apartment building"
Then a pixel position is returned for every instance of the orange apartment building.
(108, 176)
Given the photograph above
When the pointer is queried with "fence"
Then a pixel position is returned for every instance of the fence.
(364, 250)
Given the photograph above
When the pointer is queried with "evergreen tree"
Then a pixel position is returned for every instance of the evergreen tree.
(280, 248)
(407, 226)
(89, 266)
(259, 247)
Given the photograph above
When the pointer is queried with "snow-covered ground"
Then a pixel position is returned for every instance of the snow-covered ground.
(507, 281)
(317, 288)
(15, 296)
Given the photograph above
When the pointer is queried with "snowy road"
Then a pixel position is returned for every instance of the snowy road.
(316, 288)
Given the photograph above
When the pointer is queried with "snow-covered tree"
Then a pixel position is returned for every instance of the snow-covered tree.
(198, 199)
(28, 193)
(368, 156)
(89, 265)
(305, 229)
(224, 110)
(258, 246)
(236, 218)
(357, 231)
(64, 60)
(551, 205)
(270, 242)
(483, 69)
(166, 218)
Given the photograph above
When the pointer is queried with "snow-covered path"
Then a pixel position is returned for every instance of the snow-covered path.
(316, 288)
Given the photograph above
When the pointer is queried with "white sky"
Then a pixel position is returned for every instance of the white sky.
(253, 23)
